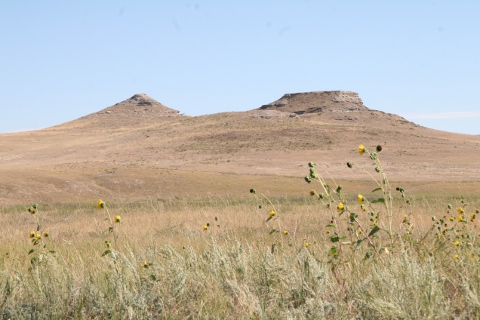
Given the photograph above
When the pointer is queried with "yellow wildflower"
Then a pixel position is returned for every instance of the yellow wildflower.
(460, 218)
(460, 210)
(272, 213)
(456, 243)
(340, 207)
(361, 149)
(285, 232)
(32, 234)
(360, 198)
(305, 244)
(38, 236)
(455, 256)
(100, 204)
(118, 219)
(452, 218)
(205, 227)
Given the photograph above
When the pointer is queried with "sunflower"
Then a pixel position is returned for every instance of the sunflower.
(361, 149)
(100, 204)
(340, 207)
(360, 198)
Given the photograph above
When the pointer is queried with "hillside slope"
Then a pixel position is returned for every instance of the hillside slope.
(139, 148)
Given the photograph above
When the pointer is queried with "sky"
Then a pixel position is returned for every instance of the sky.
(61, 60)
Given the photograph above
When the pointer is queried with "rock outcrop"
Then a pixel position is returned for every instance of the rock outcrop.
(317, 101)
(139, 105)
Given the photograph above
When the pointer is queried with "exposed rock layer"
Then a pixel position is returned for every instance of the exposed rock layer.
(139, 105)
(317, 101)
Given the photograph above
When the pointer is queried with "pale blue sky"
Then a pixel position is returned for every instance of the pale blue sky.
(60, 60)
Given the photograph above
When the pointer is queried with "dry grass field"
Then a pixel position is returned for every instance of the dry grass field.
(180, 234)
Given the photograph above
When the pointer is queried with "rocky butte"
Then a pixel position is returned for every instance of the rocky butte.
(331, 105)
(317, 101)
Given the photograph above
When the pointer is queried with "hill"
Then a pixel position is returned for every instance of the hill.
(139, 148)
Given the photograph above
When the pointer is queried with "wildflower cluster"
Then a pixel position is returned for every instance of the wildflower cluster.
(207, 225)
(38, 236)
(347, 229)
(456, 231)
(112, 228)
(273, 217)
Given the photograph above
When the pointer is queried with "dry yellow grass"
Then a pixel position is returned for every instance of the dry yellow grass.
(237, 270)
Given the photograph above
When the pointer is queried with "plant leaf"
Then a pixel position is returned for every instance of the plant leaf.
(334, 238)
(31, 251)
(379, 200)
(106, 252)
(377, 189)
(353, 216)
(358, 243)
(333, 252)
(273, 231)
(373, 231)
(367, 255)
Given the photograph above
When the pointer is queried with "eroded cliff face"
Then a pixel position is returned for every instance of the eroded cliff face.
(317, 101)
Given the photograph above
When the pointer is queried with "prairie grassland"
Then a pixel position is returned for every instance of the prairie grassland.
(160, 263)
(375, 253)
